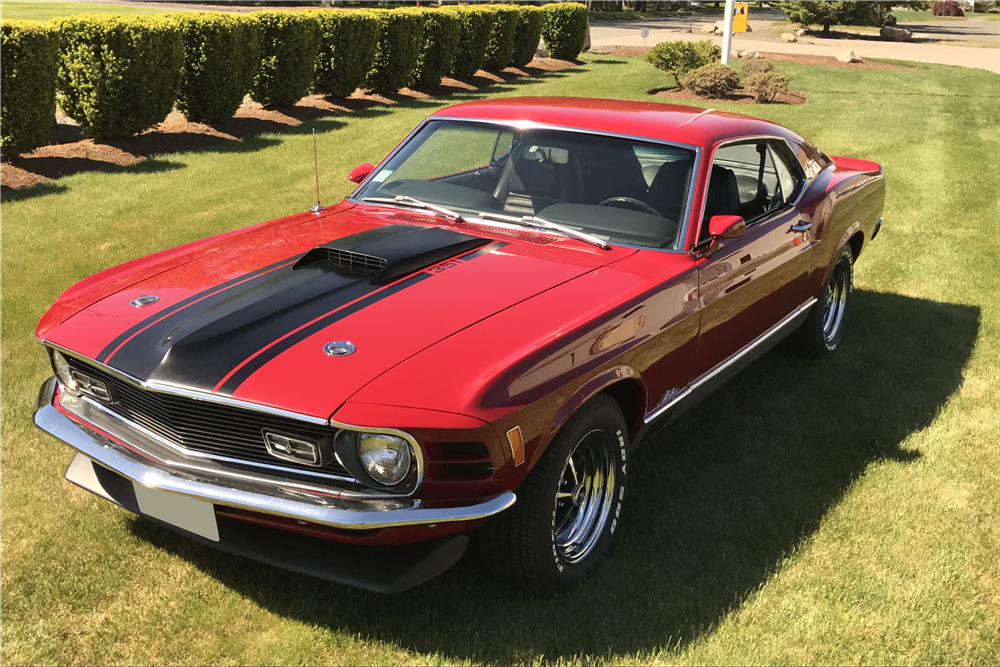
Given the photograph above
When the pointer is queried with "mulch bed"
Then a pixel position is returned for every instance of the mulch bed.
(822, 61)
(739, 96)
(69, 152)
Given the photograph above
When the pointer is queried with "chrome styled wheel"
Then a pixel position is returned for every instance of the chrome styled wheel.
(584, 497)
(835, 299)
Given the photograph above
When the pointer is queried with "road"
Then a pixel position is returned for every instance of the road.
(626, 33)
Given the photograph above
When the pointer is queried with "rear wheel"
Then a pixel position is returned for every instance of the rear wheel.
(568, 508)
(823, 329)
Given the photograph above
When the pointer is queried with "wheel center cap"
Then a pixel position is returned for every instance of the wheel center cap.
(577, 495)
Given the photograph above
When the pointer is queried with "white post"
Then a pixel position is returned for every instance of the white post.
(727, 34)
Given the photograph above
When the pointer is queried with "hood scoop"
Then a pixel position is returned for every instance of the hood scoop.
(386, 253)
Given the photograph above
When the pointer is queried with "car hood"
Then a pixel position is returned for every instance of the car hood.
(251, 318)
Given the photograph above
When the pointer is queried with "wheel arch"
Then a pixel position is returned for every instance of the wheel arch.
(621, 383)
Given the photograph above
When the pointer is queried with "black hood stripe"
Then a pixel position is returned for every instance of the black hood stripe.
(238, 375)
(129, 333)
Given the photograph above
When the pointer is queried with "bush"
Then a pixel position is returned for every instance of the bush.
(766, 85)
(28, 81)
(564, 29)
(118, 75)
(477, 22)
(981, 7)
(715, 80)
(948, 8)
(679, 58)
(399, 42)
(500, 47)
(347, 42)
(221, 54)
(442, 30)
(289, 42)
(526, 35)
(757, 65)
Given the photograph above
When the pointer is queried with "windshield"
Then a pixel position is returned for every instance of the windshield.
(618, 190)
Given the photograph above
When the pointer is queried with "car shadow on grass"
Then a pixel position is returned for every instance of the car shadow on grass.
(716, 502)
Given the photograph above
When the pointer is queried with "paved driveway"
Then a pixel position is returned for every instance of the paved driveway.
(970, 29)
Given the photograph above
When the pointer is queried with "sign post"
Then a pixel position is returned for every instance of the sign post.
(727, 33)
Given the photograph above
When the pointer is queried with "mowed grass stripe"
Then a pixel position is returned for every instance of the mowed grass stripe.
(811, 512)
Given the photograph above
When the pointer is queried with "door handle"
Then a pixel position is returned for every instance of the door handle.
(802, 227)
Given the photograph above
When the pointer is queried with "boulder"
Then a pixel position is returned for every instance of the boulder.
(734, 55)
(848, 56)
(895, 34)
(720, 27)
(788, 37)
(890, 21)
(541, 52)
(800, 32)
(708, 28)
(750, 54)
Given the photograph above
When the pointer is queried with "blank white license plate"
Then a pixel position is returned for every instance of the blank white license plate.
(194, 516)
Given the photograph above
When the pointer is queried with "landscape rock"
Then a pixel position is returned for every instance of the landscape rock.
(708, 28)
(848, 56)
(750, 54)
(800, 32)
(720, 27)
(734, 55)
(788, 37)
(895, 34)
(541, 52)
(890, 20)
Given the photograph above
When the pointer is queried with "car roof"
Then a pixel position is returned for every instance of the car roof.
(666, 122)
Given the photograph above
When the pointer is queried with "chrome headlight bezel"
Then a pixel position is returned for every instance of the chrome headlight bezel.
(349, 446)
(61, 368)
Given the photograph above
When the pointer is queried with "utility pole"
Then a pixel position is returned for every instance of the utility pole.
(727, 33)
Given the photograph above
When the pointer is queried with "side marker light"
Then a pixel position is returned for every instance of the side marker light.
(516, 441)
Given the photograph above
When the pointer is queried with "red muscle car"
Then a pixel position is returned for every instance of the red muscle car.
(475, 339)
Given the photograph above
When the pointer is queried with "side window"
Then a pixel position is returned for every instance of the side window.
(744, 181)
(788, 179)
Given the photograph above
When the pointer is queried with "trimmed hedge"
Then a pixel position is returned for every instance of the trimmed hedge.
(500, 47)
(221, 55)
(678, 58)
(526, 35)
(442, 30)
(347, 42)
(28, 81)
(714, 80)
(947, 8)
(399, 43)
(477, 22)
(564, 29)
(289, 42)
(766, 85)
(118, 75)
(755, 66)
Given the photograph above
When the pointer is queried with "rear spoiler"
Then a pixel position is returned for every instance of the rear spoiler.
(854, 164)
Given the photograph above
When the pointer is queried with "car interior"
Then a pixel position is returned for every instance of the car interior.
(617, 189)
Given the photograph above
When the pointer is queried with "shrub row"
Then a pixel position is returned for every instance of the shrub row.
(119, 75)
(28, 81)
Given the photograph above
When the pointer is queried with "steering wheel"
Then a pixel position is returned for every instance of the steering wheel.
(635, 203)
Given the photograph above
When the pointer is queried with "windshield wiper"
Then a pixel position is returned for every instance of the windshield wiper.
(541, 223)
(413, 202)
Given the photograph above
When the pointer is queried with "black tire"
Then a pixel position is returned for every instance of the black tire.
(526, 545)
(823, 329)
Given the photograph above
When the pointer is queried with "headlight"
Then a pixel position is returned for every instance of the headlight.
(385, 457)
(62, 370)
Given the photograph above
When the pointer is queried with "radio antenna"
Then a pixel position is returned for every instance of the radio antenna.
(318, 207)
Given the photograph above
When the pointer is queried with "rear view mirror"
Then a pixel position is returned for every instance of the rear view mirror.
(360, 173)
(726, 226)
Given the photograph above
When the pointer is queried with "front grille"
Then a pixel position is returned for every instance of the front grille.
(211, 428)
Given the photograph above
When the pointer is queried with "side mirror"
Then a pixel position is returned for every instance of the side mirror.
(360, 173)
(726, 227)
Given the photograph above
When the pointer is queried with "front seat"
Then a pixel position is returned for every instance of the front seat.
(538, 181)
(723, 197)
(669, 188)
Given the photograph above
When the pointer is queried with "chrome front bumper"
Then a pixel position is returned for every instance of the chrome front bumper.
(257, 494)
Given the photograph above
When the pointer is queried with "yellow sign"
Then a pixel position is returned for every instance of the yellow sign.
(740, 16)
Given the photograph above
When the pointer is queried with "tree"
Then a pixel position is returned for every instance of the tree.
(819, 13)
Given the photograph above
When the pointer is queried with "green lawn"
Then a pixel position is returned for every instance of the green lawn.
(841, 511)
(40, 10)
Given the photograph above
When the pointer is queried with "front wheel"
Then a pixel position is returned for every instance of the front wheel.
(823, 329)
(568, 508)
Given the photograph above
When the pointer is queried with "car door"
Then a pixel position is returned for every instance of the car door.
(751, 283)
